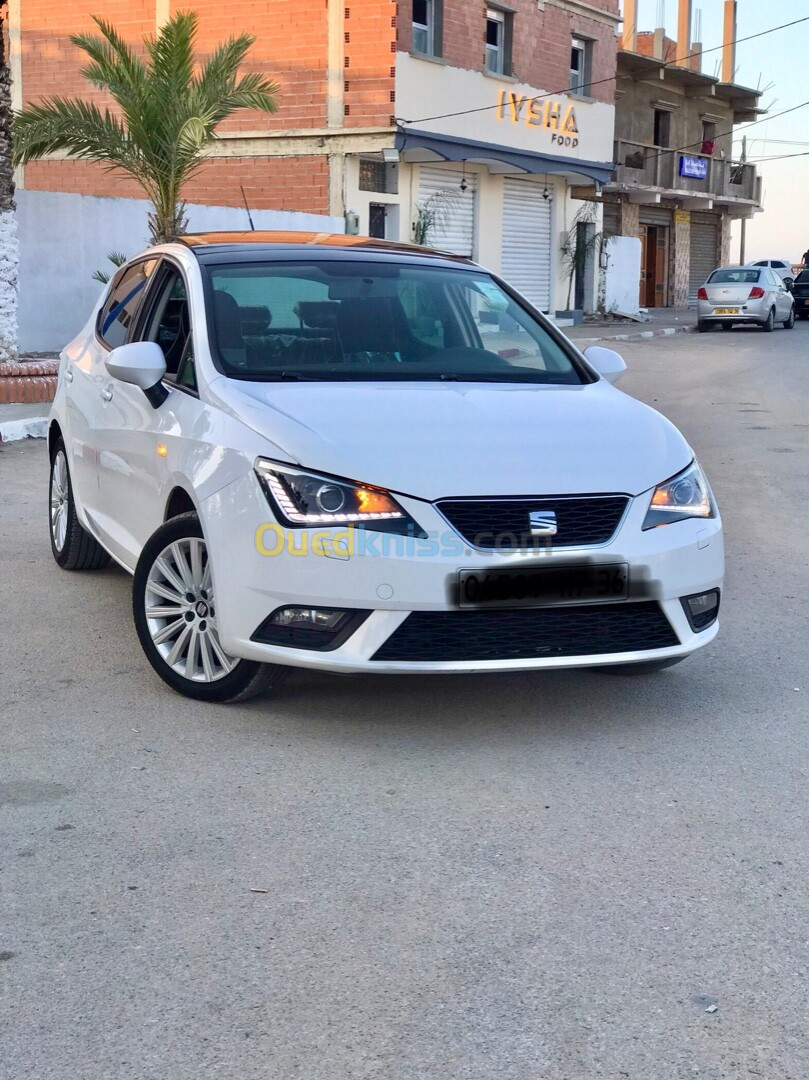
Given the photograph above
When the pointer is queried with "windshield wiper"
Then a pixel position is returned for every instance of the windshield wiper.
(279, 376)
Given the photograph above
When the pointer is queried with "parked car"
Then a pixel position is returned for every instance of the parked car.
(800, 294)
(337, 453)
(741, 294)
(782, 267)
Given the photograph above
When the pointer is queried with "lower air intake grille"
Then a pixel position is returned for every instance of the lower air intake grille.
(527, 634)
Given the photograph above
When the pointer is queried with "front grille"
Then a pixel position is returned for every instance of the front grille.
(528, 634)
(502, 524)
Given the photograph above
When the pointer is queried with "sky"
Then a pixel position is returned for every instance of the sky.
(778, 62)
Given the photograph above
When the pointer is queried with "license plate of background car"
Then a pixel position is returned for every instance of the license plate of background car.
(726, 311)
(543, 586)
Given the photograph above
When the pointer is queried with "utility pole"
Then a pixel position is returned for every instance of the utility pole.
(743, 234)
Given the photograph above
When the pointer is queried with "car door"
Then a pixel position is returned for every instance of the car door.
(87, 379)
(783, 301)
(122, 465)
(136, 467)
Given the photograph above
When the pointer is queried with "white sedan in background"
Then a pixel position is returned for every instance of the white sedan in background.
(337, 453)
(744, 294)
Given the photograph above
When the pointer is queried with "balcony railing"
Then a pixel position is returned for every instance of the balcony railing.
(643, 166)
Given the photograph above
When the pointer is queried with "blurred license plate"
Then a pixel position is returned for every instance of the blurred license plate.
(540, 587)
(726, 311)
(805, 302)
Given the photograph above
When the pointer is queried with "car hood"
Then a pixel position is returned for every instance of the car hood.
(432, 440)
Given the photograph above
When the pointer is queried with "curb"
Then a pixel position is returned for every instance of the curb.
(35, 427)
(643, 335)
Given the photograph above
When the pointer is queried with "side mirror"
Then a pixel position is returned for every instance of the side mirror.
(789, 284)
(609, 364)
(141, 363)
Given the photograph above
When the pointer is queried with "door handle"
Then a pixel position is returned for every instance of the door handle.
(107, 394)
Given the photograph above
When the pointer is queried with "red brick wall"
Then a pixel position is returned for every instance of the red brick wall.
(370, 56)
(541, 46)
(289, 183)
(291, 49)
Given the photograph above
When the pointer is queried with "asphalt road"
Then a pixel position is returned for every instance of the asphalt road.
(538, 877)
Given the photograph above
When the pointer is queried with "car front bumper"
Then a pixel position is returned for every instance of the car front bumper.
(665, 565)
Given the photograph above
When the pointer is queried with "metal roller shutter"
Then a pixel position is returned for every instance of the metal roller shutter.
(526, 253)
(703, 258)
(655, 215)
(454, 229)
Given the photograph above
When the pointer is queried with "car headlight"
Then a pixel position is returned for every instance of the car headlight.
(309, 500)
(685, 495)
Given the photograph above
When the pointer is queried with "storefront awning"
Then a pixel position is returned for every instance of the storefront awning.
(427, 146)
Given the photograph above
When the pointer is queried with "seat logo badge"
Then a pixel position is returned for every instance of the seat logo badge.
(201, 609)
(542, 523)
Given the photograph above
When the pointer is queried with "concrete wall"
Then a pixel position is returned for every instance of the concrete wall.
(65, 237)
(634, 118)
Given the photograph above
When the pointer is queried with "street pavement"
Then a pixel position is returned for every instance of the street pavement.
(555, 876)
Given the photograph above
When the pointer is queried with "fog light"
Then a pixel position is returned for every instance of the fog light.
(311, 618)
(701, 609)
(309, 628)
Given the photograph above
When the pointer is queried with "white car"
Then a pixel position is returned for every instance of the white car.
(337, 453)
(782, 267)
(744, 294)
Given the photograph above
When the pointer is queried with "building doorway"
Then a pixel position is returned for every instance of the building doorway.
(654, 250)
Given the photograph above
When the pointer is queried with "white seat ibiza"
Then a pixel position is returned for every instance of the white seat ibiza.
(337, 453)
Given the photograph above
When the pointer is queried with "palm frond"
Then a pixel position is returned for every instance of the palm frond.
(115, 67)
(78, 127)
(172, 57)
(219, 72)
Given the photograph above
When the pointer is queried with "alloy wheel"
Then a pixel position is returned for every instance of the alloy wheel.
(60, 500)
(181, 612)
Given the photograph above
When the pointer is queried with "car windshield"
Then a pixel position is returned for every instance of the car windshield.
(375, 321)
(735, 276)
(802, 278)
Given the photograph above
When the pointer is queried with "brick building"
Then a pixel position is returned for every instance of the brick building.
(391, 113)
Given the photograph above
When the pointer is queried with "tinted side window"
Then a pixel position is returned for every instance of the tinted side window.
(121, 308)
(168, 321)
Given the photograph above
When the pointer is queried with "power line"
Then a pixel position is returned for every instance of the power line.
(611, 78)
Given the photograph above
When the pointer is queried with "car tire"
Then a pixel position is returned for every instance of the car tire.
(175, 618)
(72, 546)
(703, 327)
(769, 325)
(642, 667)
(790, 322)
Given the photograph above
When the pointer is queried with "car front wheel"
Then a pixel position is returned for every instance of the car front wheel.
(769, 325)
(175, 616)
(790, 322)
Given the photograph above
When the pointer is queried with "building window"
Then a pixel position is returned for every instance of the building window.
(427, 22)
(662, 128)
(581, 53)
(378, 175)
(708, 137)
(498, 41)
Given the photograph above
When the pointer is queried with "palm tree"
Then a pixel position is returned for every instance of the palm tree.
(9, 246)
(167, 113)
